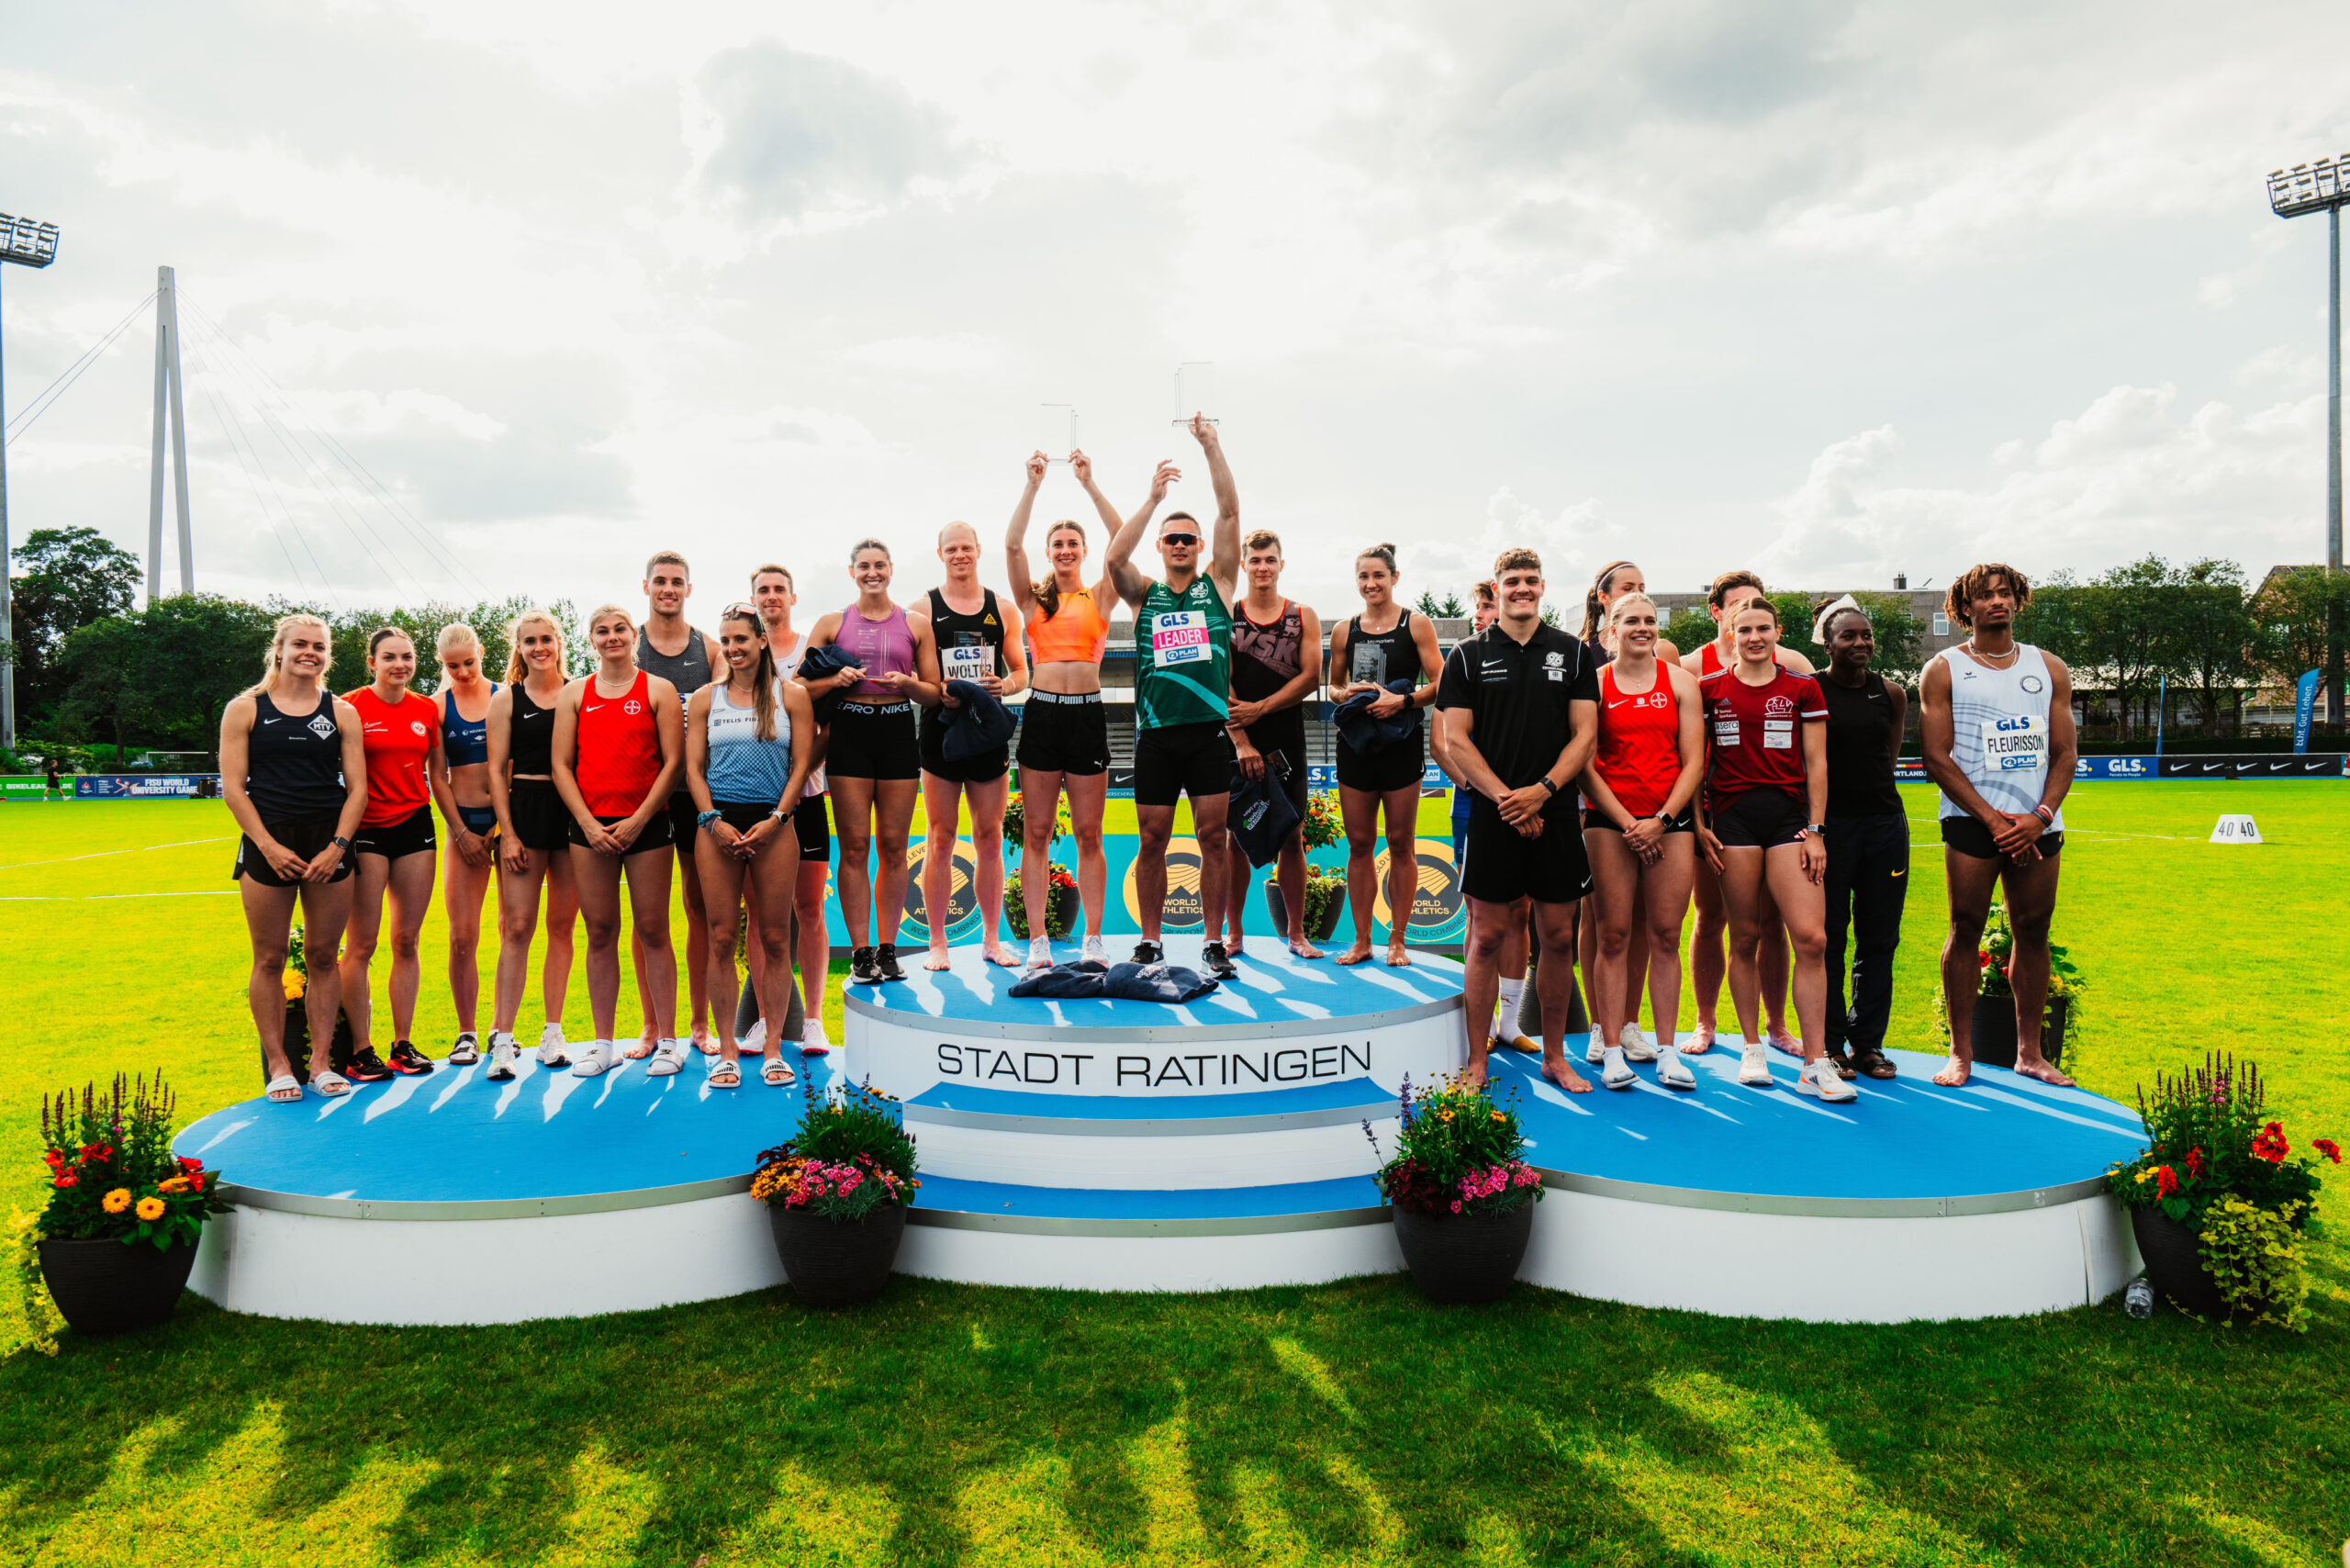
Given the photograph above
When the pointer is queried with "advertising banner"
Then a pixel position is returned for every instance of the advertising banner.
(23, 787)
(2254, 765)
(2304, 710)
(145, 786)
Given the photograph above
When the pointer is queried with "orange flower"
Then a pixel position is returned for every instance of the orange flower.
(117, 1200)
(176, 1184)
(151, 1208)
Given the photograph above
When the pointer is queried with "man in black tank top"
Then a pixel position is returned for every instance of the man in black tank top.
(982, 644)
(1276, 666)
(1868, 841)
(686, 658)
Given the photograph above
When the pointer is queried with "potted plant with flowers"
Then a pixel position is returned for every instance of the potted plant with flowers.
(1461, 1193)
(1326, 891)
(1061, 904)
(2218, 1201)
(837, 1194)
(119, 1235)
(1994, 1003)
(296, 985)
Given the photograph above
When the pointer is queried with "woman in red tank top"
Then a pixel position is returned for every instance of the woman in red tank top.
(1639, 831)
(619, 745)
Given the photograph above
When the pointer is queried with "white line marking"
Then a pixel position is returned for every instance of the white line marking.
(102, 853)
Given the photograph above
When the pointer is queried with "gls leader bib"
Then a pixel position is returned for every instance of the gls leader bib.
(1182, 656)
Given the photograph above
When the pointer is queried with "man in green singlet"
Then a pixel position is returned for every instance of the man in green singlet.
(1182, 682)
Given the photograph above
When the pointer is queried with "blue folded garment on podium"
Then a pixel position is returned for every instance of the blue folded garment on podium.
(1366, 733)
(818, 664)
(1091, 980)
(1259, 816)
(981, 723)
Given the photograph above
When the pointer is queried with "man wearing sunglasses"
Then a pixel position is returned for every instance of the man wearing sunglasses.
(1182, 686)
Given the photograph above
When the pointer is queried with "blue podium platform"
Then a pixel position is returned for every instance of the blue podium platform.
(1142, 1146)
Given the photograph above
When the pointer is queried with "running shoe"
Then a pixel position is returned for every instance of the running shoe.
(367, 1066)
(1672, 1070)
(755, 1042)
(554, 1049)
(593, 1061)
(1149, 953)
(885, 959)
(1818, 1077)
(1095, 951)
(1870, 1062)
(1754, 1065)
(1615, 1072)
(407, 1058)
(502, 1055)
(1638, 1046)
(668, 1057)
(861, 970)
(1218, 962)
(1596, 1048)
(813, 1041)
(1040, 952)
(466, 1051)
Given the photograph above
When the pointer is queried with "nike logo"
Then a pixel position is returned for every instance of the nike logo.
(1903, 872)
(597, 707)
(273, 721)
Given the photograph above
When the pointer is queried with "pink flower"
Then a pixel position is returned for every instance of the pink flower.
(1456, 1205)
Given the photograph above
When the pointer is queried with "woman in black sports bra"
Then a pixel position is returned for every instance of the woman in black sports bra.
(1363, 661)
(534, 843)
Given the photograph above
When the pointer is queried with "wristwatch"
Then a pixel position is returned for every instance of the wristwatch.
(777, 814)
(340, 843)
(1663, 815)
(1817, 829)
(704, 820)
(1548, 785)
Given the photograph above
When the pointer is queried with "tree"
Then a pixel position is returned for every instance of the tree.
(1899, 637)
(2301, 616)
(1794, 626)
(1449, 607)
(1691, 630)
(350, 629)
(2214, 633)
(2126, 621)
(166, 672)
(72, 577)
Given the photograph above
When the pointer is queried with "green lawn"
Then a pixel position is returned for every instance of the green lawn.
(1349, 1423)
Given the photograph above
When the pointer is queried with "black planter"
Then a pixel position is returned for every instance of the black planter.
(2174, 1257)
(105, 1287)
(1062, 906)
(1276, 907)
(1464, 1259)
(297, 1043)
(832, 1263)
(1994, 1030)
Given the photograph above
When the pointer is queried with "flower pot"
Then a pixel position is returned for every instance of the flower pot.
(2174, 1258)
(297, 1043)
(1319, 930)
(105, 1287)
(1994, 1031)
(838, 1262)
(1464, 1257)
(1061, 909)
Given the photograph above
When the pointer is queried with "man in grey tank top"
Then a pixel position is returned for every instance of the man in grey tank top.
(2000, 740)
(686, 658)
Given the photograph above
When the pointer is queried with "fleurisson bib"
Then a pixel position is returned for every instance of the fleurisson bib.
(1999, 729)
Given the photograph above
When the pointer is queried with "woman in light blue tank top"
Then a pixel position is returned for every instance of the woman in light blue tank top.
(748, 739)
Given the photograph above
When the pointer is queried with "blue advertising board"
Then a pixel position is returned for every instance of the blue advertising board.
(145, 786)
(2304, 710)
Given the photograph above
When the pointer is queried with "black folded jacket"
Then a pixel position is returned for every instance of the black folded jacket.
(1118, 982)
(1261, 816)
(981, 724)
(1364, 733)
(817, 664)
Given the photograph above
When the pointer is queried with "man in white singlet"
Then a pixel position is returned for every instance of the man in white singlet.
(1999, 740)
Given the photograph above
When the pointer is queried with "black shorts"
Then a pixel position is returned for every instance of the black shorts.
(1398, 766)
(306, 837)
(1503, 865)
(1060, 736)
(980, 769)
(1596, 820)
(542, 821)
(1760, 819)
(873, 740)
(657, 833)
(412, 834)
(1971, 839)
(815, 821)
(739, 815)
(479, 820)
(685, 819)
(1182, 759)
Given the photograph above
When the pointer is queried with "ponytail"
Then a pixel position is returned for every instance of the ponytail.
(1594, 607)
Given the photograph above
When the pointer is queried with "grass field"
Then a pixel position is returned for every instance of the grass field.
(1349, 1423)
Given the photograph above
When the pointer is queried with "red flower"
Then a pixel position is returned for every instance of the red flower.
(2165, 1182)
(67, 1180)
(2194, 1164)
(2328, 1147)
(2270, 1144)
(190, 1166)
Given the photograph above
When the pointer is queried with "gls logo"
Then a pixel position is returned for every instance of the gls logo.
(2009, 726)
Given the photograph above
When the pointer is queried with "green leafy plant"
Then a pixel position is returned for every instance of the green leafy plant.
(2258, 1260)
(1015, 821)
(1060, 906)
(111, 1171)
(1326, 893)
(852, 1156)
(2208, 1136)
(1457, 1153)
(1996, 953)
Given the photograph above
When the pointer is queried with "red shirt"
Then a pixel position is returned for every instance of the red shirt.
(620, 749)
(1754, 734)
(398, 738)
(1639, 742)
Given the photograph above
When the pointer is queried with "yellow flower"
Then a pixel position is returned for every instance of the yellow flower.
(151, 1208)
(117, 1200)
(2144, 1174)
(176, 1184)
(293, 985)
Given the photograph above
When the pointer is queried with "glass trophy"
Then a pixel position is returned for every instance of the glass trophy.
(1195, 391)
(1057, 431)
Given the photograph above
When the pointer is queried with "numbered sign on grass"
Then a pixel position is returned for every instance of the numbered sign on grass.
(2236, 830)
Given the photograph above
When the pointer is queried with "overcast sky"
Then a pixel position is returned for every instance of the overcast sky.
(1833, 290)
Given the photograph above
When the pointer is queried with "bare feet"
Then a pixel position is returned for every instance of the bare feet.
(639, 1049)
(1781, 1040)
(1556, 1070)
(937, 959)
(702, 1041)
(1303, 948)
(995, 952)
(2038, 1069)
(1705, 1040)
(1955, 1071)
(1398, 956)
(1358, 954)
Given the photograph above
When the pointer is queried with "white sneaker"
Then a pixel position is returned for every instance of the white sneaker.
(1754, 1065)
(1637, 1046)
(1672, 1070)
(1820, 1077)
(755, 1042)
(502, 1055)
(1615, 1072)
(668, 1057)
(554, 1049)
(1040, 952)
(1095, 951)
(813, 1041)
(1596, 1048)
(593, 1059)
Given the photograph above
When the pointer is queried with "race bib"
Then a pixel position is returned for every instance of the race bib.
(1179, 637)
(2015, 745)
(1778, 734)
(968, 663)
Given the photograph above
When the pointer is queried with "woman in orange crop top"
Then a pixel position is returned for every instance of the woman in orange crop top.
(1064, 734)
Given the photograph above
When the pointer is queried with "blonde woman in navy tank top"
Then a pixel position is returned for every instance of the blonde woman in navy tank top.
(463, 700)
(533, 836)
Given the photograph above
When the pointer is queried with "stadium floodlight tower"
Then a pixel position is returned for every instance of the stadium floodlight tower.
(2323, 187)
(28, 244)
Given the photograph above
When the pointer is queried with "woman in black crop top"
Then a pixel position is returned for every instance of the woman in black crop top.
(294, 772)
(532, 843)
(1868, 841)
(1385, 645)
